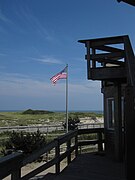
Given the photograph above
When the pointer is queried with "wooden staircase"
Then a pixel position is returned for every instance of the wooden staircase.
(110, 58)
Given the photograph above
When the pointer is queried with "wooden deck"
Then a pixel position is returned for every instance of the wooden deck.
(91, 167)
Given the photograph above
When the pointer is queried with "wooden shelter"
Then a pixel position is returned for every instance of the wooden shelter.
(131, 2)
(111, 60)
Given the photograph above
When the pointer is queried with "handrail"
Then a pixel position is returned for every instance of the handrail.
(12, 164)
(9, 165)
(48, 128)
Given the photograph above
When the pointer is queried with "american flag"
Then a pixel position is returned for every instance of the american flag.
(61, 75)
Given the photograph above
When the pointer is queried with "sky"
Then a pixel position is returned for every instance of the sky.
(39, 37)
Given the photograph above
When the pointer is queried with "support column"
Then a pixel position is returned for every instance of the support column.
(129, 132)
(118, 123)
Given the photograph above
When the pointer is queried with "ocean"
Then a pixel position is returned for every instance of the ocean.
(94, 111)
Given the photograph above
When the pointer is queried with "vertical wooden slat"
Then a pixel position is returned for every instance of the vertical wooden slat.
(100, 146)
(93, 62)
(76, 144)
(129, 132)
(16, 174)
(118, 123)
(57, 153)
(68, 148)
(88, 59)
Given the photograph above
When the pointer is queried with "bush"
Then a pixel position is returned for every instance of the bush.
(26, 142)
(72, 123)
(30, 111)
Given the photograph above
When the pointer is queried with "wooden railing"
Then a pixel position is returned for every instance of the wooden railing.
(48, 128)
(12, 164)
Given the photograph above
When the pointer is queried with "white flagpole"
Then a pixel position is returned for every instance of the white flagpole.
(67, 100)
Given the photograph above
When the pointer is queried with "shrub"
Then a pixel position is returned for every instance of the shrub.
(30, 111)
(72, 123)
(26, 142)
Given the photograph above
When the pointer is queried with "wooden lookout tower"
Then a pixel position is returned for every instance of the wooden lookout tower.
(111, 60)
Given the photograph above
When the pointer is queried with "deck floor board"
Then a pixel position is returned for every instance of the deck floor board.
(91, 167)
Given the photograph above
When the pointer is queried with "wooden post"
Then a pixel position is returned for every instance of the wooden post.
(57, 152)
(16, 175)
(76, 144)
(118, 123)
(100, 146)
(88, 59)
(129, 132)
(68, 148)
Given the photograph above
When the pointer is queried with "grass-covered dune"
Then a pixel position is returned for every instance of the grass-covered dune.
(30, 117)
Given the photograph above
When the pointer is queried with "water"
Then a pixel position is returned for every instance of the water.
(85, 111)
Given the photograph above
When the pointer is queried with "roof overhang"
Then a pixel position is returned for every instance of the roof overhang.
(131, 2)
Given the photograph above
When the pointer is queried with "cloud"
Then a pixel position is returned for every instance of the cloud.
(48, 60)
(26, 16)
(3, 18)
(36, 93)
(23, 85)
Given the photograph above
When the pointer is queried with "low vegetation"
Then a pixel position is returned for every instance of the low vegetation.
(23, 141)
(34, 112)
(32, 117)
(27, 142)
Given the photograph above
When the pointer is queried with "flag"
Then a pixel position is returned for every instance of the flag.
(61, 75)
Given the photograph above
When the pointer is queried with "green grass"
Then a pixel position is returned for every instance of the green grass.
(18, 118)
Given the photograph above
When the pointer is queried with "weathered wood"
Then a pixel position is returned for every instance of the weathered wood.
(40, 169)
(129, 131)
(103, 41)
(130, 61)
(88, 58)
(64, 138)
(109, 48)
(16, 161)
(131, 2)
(90, 131)
(118, 122)
(11, 164)
(87, 142)
(105, 60)
(91, 166)
(114, 56)
(57, 155)
(36, 154)
(107, 73)
(100, 142)
(16, 175)
(68, 148)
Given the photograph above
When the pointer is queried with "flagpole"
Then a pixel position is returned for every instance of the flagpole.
(67, 100)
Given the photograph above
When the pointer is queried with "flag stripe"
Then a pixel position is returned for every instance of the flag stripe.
(60, 75)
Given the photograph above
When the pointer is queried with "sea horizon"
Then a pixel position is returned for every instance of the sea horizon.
(94, 111)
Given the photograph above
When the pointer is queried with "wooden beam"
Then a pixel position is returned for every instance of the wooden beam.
(109, 49)
(131, 2)
(129, 131)
(107, 73)
(118, 123)
(103, 41)
(113, 56)
(130, 61)
(110, 61)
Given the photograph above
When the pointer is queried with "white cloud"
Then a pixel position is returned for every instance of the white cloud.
(48, 60)
(28, 18)
(18, 84)
(3, 18)
(38, 93)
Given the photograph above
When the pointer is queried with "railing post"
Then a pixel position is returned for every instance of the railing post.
(68, 148)
(76, 144)
(57, 153)
(16, 175)
(100, 146)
